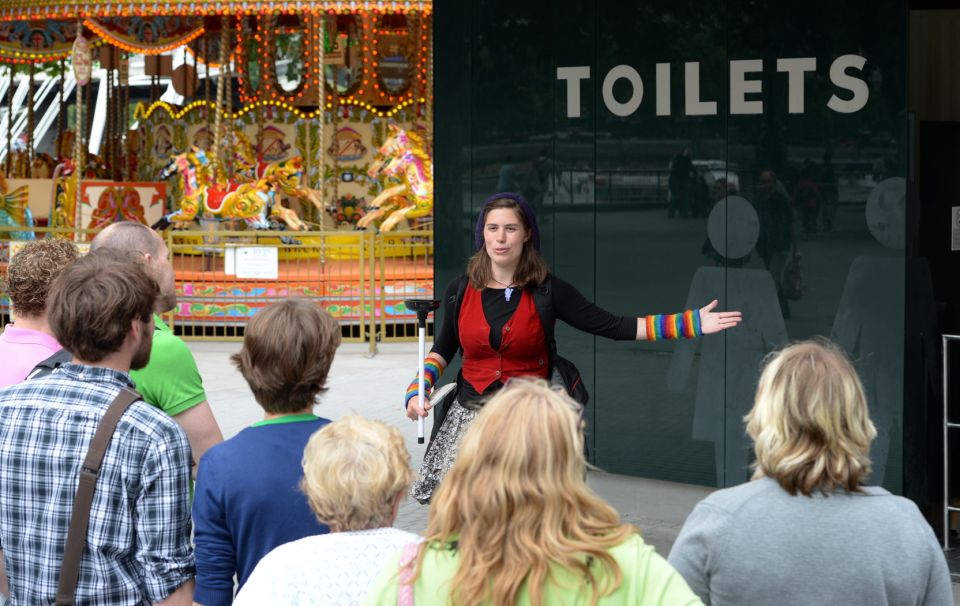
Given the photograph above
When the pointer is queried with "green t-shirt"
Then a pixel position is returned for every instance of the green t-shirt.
(647, 580)
(171, 380)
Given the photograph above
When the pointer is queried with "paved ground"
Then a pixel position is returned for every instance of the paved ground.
(373, 388)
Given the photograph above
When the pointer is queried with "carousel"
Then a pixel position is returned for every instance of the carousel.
(291, 122)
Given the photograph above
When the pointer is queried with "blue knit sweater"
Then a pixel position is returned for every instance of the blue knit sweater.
(248, 501)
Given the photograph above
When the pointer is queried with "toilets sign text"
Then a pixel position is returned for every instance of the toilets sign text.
(850, 96)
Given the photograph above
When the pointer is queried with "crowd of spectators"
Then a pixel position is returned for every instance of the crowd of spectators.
(297, 509)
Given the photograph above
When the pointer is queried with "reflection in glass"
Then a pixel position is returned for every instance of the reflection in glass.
(869, 322)
(341, 52)
(252, 57)
(729, 366)
(288, 58)
(395, 50)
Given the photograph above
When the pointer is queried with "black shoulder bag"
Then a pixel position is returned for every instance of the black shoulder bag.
(563, 372)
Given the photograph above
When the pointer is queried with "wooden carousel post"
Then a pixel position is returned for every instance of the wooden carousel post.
(206, 82)
(231, 124)
(10, 116)
(244, 59)
(322, 107)
(118, 118)
(217, 118)
(428, 94)
(336, 121)
(115, 95)
(107, 155)
(60, 110)
(31, 91)
(82, 72)
(125, 117)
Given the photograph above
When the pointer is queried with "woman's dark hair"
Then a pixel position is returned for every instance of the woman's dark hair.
(532, 269)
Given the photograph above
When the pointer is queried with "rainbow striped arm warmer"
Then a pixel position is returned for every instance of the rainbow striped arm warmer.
(674, 326)
(431, 374)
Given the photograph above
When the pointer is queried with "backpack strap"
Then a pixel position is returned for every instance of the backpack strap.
(543, 300)
(457, 300)
(45, 367)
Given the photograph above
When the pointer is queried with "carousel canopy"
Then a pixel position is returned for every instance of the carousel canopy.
(20, 10)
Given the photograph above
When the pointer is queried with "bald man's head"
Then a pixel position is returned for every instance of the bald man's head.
(136, 237)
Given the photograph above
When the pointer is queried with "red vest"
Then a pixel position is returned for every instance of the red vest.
(523, 344)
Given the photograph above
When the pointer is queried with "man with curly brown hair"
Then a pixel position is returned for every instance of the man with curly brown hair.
(29, 339)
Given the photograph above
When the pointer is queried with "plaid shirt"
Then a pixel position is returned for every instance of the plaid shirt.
(138, 542)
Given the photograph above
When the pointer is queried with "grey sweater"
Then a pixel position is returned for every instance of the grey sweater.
(756, 544)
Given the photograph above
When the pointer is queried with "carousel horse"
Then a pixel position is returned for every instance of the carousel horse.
(193, 168)
(402, 156)
(14, 212)
(285, 175)
(253, 201)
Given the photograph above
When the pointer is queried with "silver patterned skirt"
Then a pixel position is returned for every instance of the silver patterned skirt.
(442, 451)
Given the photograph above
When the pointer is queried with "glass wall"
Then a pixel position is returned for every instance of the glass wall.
(680, 152)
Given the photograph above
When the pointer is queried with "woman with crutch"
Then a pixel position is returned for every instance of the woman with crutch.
(500, 315)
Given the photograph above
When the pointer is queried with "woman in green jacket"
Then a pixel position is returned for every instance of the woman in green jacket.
(515, 523)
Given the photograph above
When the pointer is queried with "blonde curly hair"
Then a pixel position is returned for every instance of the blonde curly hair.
(354, 469)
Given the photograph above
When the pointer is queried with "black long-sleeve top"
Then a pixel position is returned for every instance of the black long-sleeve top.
(568, 305)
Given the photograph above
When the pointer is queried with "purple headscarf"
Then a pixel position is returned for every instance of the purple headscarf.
(524, 206)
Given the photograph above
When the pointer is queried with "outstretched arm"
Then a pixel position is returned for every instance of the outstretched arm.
(574, 309)
(709, 322)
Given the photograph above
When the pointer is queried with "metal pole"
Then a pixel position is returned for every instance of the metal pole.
(422, 307)
(422, 339)
(946, 443)
(947, 426)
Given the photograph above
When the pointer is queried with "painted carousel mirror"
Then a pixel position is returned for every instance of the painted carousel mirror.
(342, 48)
(288, 56)
(395, 50)
(251, 42)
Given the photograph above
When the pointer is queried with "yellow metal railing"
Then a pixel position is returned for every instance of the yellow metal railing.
(223, 277)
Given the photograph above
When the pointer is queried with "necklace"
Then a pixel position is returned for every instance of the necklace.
(508, 288)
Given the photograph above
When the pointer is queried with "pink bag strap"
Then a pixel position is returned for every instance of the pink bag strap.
(407, 558)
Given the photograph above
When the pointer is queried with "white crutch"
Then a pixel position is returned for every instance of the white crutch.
(423, 307)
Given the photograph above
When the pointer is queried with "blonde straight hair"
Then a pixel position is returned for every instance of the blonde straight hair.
(517, 504)
(809, 423)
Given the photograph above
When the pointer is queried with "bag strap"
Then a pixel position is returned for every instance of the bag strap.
(80, 516)
(457, 300)
(405, 588)
(543, 300)
(47, 366)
